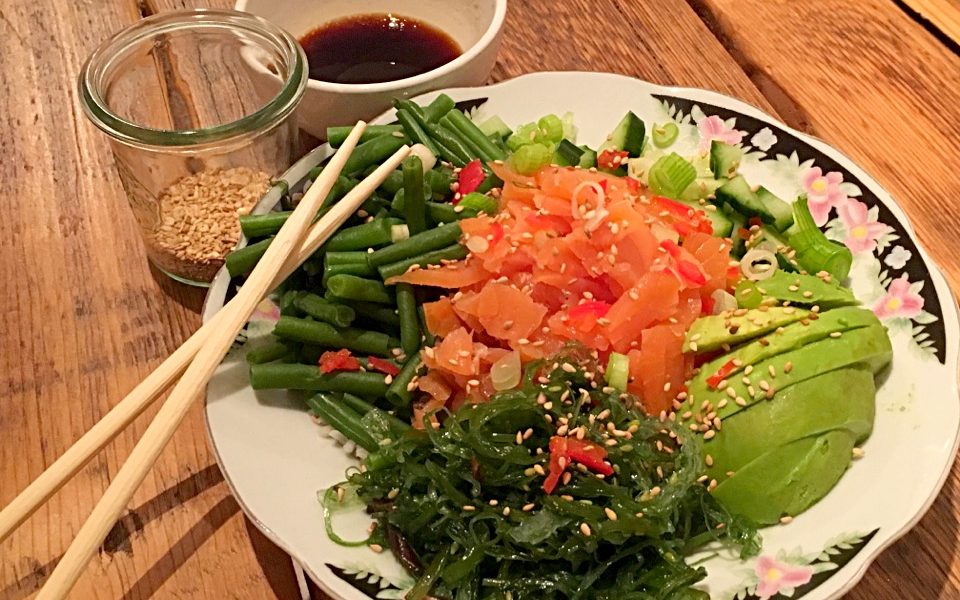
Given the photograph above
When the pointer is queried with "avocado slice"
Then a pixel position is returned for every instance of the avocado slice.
(840, 399)
(789, 338)
(728, 329)
(789, 479)
(794, 288)
(868, 347)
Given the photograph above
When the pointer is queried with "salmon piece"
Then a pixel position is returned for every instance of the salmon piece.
(504, 311)
(458, 275)
(454, 354)
(440, 317)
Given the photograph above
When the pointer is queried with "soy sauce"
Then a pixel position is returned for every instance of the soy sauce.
(376, 47)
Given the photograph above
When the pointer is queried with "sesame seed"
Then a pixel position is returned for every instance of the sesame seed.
(585, 529)
(722, 403)
(709, 434)
(390, 495)
(786, 519)
(858, 453)
(528, 433)
(528, 507)
(740, 401)
(610, 513)
(708, 460)
(835, 334)
(787, 367)
(731, 392)
(548, 406)
(568, 368)
(506, 511)
(611, 442)
(376, 548)
(469, 507)
(772, 371)
(748, 370)
(538, 469)
(562, 430)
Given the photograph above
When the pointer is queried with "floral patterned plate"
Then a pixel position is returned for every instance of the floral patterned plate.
(276, 459)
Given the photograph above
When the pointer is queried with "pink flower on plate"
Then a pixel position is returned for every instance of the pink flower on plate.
(713, 128)
(267, 310)
(899, 301)
(823, 193)
(776, 576)
(862, 233)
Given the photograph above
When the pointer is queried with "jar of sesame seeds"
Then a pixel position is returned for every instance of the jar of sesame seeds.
(198, 107)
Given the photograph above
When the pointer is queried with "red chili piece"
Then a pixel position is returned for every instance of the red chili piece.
(341, 360)
(384, 366)
(471, 176)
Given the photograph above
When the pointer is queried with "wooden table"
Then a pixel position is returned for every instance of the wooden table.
(83, 317)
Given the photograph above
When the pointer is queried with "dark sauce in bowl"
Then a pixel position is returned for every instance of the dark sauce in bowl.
(375, 48)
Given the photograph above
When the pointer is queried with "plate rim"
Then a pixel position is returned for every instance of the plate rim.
(214, 301)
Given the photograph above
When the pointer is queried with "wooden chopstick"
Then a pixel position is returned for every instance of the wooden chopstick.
(208, 357)
(139, 398)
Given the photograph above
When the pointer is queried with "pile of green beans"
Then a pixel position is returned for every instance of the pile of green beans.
(344, 297)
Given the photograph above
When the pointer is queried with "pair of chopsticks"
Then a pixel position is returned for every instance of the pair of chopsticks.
(193, 363)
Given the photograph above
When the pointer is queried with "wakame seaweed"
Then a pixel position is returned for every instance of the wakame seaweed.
(464, 506)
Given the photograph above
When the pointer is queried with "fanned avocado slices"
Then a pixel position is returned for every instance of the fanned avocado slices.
(789, 479)
(813, 328)
(840, 399)
(868, 347)
(728, 329)
(795, 288)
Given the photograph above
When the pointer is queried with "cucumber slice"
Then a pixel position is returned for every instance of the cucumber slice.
(588, 159)
(567, 154)
(724, 159)
(495, 126)
(781, 211)
(739, 222)
(737, 194)
(629, 134)
(723, 224)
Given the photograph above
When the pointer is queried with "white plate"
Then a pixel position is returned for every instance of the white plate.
(276, 459)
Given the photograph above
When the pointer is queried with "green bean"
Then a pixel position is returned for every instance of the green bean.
(428, 338)
(438, 180)
(375, 233)
(358, 269)
(454, 252)
(373, 205)
(444, 212)
(324, 310)
(347, 257)
(431, 239)
(398, 394)
(337, 135)
(471, 132)
(340, 189)
(440, 106)
(489, 182)
(342, 418)
(373, 151)
(324, 334)
(267, 353)
(444, 136)
(351, 287)
(287, 303)
(415, 131)
(414, 210)
(255, 226)
(362, 407)
(243, 260)
(294, 376)
(409, 324)
(392, 183)
(473, 149)
(376, 312)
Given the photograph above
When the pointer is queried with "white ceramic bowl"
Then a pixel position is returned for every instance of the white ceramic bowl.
(475, 25)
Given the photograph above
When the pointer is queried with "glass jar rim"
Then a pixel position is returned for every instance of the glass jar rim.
(264, 118)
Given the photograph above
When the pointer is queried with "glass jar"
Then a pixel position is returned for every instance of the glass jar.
(199, 109)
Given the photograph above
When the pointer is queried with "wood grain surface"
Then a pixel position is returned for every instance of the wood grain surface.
(83, 317)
